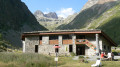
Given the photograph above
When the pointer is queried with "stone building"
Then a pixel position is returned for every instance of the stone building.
(81, 42)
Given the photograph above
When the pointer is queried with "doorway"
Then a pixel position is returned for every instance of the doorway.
(36, 48)
(80, 49)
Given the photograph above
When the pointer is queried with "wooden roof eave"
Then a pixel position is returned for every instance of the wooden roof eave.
(57, 33)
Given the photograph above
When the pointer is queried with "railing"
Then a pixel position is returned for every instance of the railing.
(80, 41)
(53, 42)
(87, 42)
(67, 41)
(40, 42)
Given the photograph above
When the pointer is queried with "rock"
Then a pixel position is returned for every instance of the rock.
(51, 15)
(39, 13)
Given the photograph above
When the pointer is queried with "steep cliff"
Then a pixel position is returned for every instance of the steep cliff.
(15, 18)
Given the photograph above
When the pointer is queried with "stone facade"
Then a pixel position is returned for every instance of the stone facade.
(30, 43)
(107, 44)
(60, 39)
(45, 48)
(74, 45)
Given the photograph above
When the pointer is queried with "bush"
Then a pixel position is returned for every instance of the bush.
(72, 54)
(115, 53)
(81, 57)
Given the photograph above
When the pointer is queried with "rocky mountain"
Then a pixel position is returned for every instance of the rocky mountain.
(103, 14)
(66, 21)
(39, 14)
(86, 16)
(50, 20)
(90, 3)
(15, 18)
(51, 15)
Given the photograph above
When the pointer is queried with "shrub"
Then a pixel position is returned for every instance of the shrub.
(72, 54)
(81, 57)
(115, 53)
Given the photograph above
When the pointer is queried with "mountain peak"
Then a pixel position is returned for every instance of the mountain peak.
(90, 3)
(39, 13)
(104, 1)
(51, 15)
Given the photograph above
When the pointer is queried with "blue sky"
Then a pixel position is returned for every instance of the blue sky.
(62, 7)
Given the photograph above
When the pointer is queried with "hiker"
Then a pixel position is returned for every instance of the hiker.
(102, 55)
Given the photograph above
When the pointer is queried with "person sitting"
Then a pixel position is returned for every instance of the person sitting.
(110, 56)
(105, 55)
(102, 55)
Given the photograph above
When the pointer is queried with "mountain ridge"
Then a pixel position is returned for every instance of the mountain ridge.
(86, 16)
(40, 14)
(15, 18)
(100, 16)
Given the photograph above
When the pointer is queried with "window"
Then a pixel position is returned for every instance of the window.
(109, 48)
(40, 37)
(36, 48)
(56, 49)
(104, 46)
(70, 48)
(66, 37)
(53, 37)
(80, 36)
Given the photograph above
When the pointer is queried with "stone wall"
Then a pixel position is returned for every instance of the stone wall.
(45, 40)
(74, 45)
(106, 43)
(91, 38)
(60, 39)
(30, 43)
(46, 49)
(64, 50)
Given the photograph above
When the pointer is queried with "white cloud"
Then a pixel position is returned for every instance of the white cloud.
(47, 11)
(65, 12)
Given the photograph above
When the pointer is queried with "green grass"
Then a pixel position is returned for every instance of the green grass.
(25, 60)
(38, 60)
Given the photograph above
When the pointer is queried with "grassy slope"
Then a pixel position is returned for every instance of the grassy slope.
(110, 23)
(100, 17)
(88, 15)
